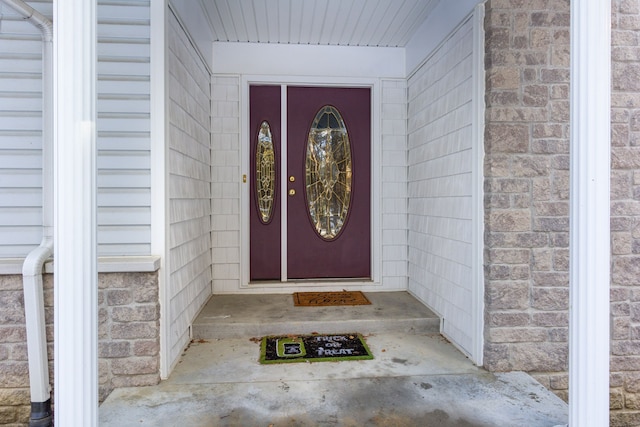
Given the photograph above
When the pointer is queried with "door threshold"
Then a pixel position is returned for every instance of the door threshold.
(364, 281)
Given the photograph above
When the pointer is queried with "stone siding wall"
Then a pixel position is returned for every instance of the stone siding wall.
(527, 189)
(128, 338)
(625, 214)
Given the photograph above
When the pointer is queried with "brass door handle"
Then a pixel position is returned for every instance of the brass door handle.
(292, 178)
(292, 192)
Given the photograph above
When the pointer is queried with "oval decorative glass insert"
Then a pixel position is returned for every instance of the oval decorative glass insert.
(328, 173)
(265, 172)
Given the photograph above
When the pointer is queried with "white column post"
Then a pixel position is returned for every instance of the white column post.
(75, 279)
(590, 211)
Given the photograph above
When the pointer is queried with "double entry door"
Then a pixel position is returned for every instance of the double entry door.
(310, 202)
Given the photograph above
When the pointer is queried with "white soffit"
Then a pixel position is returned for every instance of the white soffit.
(366, 23)
(304, 60)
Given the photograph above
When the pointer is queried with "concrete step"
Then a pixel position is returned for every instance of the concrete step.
(229, 316)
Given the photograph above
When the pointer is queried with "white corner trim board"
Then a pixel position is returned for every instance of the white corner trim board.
(589, 246)
(75, 281)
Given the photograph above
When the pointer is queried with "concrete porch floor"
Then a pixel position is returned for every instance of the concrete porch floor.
(417, 378)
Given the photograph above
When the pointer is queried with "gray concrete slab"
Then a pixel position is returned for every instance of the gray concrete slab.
(229, 316)
(414, 380)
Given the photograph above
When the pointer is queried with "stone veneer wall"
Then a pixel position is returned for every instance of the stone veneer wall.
(527, 189)
(128, 338)
(625, 214)
(527, 183)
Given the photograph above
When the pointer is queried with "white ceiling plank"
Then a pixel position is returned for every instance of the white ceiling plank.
(217, 28)
(356, 11)
(273, 21)
(393, 17)
(378, 23)
(284, 21)
(251, 21)
(222, 7)
(261, 21)
(382, 23)
(319, 21)
(331, 18)
(306, 19)
(295, 22)
(419, 14)
(342, 20)
(363, 21)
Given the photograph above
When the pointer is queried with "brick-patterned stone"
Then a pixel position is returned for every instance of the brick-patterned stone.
(527, 324)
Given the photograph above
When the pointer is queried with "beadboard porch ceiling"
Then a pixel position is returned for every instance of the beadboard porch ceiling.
(380, 23)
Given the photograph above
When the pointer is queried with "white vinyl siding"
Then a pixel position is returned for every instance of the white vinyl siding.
(394, 184)
(440, 184)
(225, 191)
(124, 203)
(124, 177)
(189, 190)
(20, 133)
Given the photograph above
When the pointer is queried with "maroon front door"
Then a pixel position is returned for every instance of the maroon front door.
(328, 200)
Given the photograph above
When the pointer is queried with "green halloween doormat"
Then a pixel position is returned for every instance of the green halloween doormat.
(313, 348)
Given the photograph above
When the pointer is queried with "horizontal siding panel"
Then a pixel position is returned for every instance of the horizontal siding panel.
(115, 234)
(23, 140)
(186, 188)
(124, 249)
(24, 45)
(132, 160)
(118, 122)
(113, 86)
(182, 232)
(133, 141)
(453, 164)
(125, 106)
(20, 178)
(25, 197)
(197, 266)
(130, 49)
(121, 67)
(31, 103)
(21, 216)
(182, 254)
(126, 10)
(23, 82)
(20, 121)
(189, 146)
(199, 131)
(12, 63)
(446, 207)
(127, 197)
(186, 293)
(20, 235)
(119, 178)
(117, 28)
(182, 165)
(187, 209)
(21, 159)
(139, 216)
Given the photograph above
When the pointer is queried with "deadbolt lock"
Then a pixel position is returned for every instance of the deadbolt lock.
(292, 178)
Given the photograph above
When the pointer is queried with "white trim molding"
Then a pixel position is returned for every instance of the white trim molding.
(590, 213)
(76, 281)
(159, 176)
(477, 307)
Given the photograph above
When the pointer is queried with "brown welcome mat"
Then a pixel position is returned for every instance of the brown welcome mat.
(314, 348)
(319, 299)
